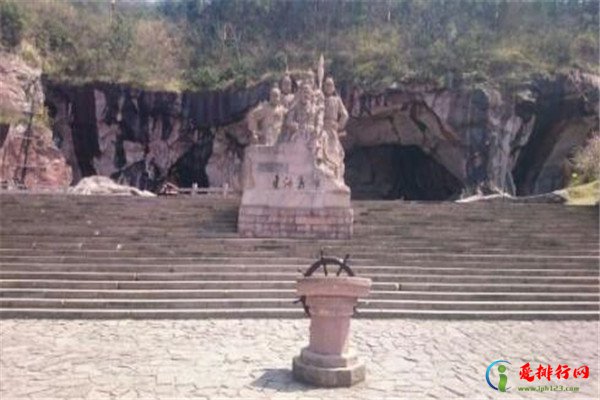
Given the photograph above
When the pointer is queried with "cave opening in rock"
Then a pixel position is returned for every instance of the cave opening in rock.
(398, 172)
(191, 167)
(4, 128)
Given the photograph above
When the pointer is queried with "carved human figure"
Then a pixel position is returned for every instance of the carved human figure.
(287, 96)
(317, 97)
(335, 118)
(304, 121)
(335, 114)
(266, 120)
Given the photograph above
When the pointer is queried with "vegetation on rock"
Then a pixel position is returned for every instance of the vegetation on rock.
(582, 195)
(586, 162)
(203, 44)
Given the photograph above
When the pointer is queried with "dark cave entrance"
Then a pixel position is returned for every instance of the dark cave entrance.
(191, 168)
(398, 172)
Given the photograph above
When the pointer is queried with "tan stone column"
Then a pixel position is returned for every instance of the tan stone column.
(327, 361)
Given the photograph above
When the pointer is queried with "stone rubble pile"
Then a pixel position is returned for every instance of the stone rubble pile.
(101, 185)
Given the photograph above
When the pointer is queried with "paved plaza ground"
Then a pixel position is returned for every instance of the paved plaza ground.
(251, 359)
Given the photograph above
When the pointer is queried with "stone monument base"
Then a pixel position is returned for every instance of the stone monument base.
(328, 370)
(287, 195)
(324, 223)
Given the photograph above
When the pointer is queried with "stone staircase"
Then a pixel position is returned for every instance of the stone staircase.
(67, 256)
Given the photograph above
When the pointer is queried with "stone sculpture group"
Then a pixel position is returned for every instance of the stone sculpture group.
(311, 116)
(293, 172)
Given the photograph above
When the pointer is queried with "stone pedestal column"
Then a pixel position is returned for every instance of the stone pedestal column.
(327, 361)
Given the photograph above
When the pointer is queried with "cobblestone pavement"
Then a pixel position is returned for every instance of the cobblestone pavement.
(251, 359)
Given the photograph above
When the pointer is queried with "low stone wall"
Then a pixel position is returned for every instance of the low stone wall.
(325, 223)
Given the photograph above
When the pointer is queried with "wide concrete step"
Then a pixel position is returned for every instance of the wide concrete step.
(559, 270)
(281, 246)
(176, 205)
(397, 226)
(401, 229)
(198, 245)
(144, 260)
(560, 287)
(280, 276)
(105, 257)
(498, 287)
(93, 258)
(62, 293)
(282, 303)
(403, 259)
(165, 285)
(291, 313)
(494, 219)
(88, 215)
(180, 205)
(125, 249)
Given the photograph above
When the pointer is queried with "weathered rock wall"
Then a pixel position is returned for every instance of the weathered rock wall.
(413, 141)
(517, 141)
(142, 138)
(566, 111)
(28, 155)
(474, 133)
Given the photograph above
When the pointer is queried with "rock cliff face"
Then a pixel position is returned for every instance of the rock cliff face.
(438, 142)
(441, 142)
(142, 138)
(28, 155)
(412, 142)
(566, 111)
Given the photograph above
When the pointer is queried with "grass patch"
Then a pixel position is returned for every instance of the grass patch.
(583, 195)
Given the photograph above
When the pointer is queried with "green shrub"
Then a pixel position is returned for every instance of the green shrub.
(203, 44)
(203, 78)
(586, 162)
(30, 55)
(584, 49)
(12, 22)
(279, 62)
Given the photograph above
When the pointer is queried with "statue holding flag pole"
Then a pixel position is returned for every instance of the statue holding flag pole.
(308, 158)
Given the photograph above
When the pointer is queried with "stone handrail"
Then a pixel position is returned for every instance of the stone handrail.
(193, 191)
